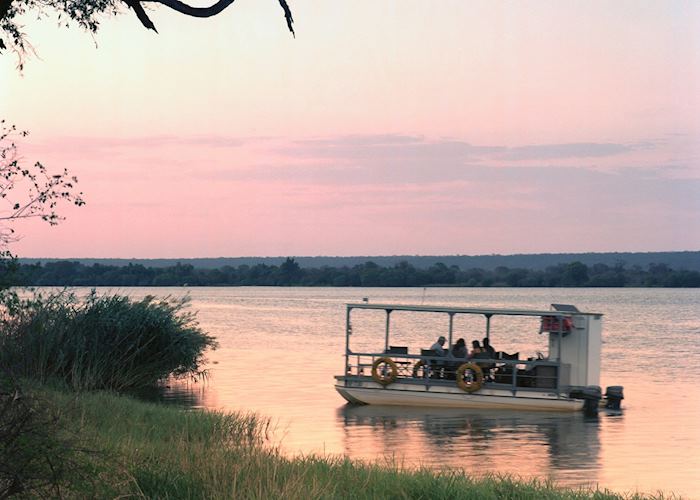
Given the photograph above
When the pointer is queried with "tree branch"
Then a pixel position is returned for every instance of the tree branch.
(188, 10)
(288, 16)
(141, 14)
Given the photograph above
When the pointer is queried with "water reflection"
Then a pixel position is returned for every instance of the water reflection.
(526, 443)
(189, 395)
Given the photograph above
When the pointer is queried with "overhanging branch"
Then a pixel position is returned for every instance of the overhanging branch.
(188, 10)
(288, 16)
(141, 14)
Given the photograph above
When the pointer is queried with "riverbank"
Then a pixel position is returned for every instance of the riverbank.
(129, 447)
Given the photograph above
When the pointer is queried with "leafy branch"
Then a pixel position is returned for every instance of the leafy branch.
(29, 192)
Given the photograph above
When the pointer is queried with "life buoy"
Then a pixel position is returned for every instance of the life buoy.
(421, 365)
(382, 377)
(473, 385)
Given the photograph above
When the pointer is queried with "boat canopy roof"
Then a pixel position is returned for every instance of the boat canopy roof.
(468, 310)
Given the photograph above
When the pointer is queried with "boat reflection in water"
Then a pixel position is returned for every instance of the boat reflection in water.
(563, 447)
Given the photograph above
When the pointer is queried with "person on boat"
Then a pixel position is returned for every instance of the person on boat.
(459, 350)
(488, 348)
(438, 346)
(487, 352)
(458, 354)
(476, 349)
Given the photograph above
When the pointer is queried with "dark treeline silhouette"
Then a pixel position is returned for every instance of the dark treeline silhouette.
(689, 260)
(289, 272)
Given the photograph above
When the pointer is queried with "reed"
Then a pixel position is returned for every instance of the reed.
(101, 342)
(166, 452)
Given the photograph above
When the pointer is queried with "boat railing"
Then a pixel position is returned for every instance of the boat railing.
(512, 374)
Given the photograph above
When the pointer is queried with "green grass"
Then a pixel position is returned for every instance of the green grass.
(156, 451)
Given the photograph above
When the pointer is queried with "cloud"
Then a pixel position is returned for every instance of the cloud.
(353, 148)
(448, 197)
(406, 155)
(405, 159)
(128, 146)
(560, 151)
(418, 148)
(362, 140)
(397, 191)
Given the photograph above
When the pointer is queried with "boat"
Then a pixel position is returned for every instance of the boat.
(566, 378)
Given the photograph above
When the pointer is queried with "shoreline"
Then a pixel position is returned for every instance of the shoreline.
(153, 450)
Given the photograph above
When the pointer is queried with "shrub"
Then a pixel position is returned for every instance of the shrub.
(35, 456)
(101, 342)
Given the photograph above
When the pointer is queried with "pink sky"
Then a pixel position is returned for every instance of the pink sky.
(433, 128)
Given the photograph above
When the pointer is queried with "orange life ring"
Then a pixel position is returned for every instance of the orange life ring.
(417, 367)
(384, 378)
(473, 385)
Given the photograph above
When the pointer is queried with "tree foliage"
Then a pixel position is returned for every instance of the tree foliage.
(88, 13)
(28, 191)
(369, 274)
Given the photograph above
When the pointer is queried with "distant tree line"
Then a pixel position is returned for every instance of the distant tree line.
(369, 274)
(689, 260)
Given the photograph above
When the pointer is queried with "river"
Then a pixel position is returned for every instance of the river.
(281, 347)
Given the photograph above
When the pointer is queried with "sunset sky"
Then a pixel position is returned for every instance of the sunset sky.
(412, 127)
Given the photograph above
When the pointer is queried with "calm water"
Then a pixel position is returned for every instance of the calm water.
(281, 347)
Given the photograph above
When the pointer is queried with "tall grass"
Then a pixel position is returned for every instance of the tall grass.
(100, 342)
(164, 452)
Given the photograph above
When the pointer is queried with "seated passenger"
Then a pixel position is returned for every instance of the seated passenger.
(476, 349)
(487, 352)
(438, 346)
(459, 350)
(489, 349)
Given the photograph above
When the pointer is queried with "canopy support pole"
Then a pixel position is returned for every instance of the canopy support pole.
(449, 334)
(386, 337)
(348, 331)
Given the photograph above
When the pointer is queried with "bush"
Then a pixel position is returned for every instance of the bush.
(36, 456)
(100, 342)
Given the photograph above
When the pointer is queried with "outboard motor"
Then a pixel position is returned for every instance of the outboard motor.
(591, 396)
(613, 397)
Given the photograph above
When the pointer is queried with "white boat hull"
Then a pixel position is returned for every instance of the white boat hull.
(447, 397)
